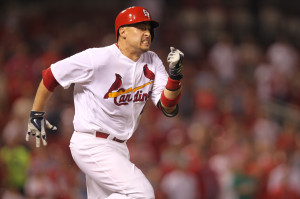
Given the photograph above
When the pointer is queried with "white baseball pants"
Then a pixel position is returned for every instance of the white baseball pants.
(109, 172)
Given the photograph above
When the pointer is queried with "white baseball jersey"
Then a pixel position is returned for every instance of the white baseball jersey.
(110, 89)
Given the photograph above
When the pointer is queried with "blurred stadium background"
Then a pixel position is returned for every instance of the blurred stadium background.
(237, 135)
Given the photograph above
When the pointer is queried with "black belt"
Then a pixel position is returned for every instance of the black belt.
(104, 135)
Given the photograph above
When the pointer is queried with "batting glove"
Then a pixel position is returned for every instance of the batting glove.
(36, 127)
(175, 58)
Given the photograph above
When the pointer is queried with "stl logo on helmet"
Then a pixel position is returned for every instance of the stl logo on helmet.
(146, 13)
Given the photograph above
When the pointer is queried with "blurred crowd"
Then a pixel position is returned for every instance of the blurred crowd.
(237, 135)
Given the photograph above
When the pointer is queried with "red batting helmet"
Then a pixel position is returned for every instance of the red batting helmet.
(133, 15)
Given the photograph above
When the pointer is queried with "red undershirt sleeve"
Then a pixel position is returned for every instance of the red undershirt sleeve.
(49, 80)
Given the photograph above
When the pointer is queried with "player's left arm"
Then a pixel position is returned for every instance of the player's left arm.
(170, 97)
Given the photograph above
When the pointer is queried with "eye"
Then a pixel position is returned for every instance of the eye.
(144, 27)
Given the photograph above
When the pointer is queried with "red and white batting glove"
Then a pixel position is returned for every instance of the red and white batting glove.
(175, 58)
(36, 127)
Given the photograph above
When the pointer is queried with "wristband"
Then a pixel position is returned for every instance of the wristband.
(169, 102)
(172, 84)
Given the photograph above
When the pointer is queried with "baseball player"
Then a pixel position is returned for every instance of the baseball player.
(112, 86)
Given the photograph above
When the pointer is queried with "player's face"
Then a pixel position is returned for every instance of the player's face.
(139, 37)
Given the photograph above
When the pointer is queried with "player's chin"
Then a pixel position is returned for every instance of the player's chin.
(145, 45)
(145, 48)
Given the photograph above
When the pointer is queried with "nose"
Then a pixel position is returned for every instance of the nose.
(147, 33)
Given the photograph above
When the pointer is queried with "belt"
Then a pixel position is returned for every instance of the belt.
(104, 135)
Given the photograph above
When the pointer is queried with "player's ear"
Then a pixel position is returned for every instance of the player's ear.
(122, 32)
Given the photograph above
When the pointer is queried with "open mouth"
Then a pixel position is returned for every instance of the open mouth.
(146, 43)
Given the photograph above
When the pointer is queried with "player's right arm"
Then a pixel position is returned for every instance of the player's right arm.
(37, 123)
(74, 69)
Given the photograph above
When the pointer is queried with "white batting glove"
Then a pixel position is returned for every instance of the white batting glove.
(36, 127)
(175, 58)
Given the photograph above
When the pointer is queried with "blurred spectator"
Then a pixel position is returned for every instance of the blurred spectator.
(52, 175)
(223, 58)
(263, 77)
(178, 184)
(19, 74)
(265, 131)
(14, 155)
(221, 163)
(181, 182)
(15, 159)
(281, 180)
(248, 56)
(283, 56)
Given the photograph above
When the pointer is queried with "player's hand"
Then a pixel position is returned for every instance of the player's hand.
(175, 58)
(36, 127)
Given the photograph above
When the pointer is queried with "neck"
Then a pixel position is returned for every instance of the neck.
(129, 52)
